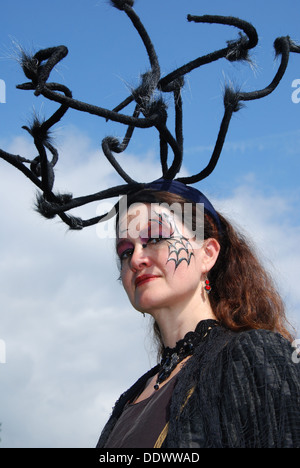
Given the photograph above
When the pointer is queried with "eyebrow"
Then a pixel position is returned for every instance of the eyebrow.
(160, 219)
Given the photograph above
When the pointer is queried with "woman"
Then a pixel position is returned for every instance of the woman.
(226, 376)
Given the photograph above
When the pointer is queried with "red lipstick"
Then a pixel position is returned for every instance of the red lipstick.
(144, 279)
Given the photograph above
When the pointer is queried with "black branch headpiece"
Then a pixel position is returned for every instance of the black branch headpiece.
(150, 111)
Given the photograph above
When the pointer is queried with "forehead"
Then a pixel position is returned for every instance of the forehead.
(141, 210)
(138, 216)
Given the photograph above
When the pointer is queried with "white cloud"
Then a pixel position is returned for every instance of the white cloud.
(73, 342)
(269, 222)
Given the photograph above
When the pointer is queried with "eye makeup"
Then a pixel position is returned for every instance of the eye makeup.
(159, 227)
(124, 246)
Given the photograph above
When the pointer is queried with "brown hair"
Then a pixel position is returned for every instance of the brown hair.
(243, 295)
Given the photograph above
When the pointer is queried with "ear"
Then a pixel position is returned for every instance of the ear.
(210, 253)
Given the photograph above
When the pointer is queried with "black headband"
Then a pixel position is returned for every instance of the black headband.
(189, 193)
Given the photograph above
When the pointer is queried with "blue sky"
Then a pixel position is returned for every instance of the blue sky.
(58, 317)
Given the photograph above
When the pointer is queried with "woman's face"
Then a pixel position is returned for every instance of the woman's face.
(160, 265)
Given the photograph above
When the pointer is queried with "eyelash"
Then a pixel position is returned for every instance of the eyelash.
(151, 241)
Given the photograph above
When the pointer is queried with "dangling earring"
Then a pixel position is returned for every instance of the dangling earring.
(207, 286)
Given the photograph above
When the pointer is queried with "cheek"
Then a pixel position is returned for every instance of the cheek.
(180, 252)
(182, 265)
(180, 277)
(126, 278)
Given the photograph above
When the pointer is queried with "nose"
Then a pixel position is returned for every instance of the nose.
(139, 258)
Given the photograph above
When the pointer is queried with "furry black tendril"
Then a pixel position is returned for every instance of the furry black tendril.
(150, 112)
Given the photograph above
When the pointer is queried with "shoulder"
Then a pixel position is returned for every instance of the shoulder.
(250, 348)
(261, 354)
(261, 343)
(251, 342)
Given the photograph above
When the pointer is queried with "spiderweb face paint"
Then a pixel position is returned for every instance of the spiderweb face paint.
(180, 250)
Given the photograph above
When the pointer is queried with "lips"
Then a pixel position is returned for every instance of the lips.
(144, 279)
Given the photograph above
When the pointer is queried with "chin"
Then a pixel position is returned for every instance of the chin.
(145, 307)
(147, 303)
(150, 305)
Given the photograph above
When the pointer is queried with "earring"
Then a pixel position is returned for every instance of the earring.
(207, 286)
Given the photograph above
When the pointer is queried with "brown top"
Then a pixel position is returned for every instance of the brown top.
(140, 424)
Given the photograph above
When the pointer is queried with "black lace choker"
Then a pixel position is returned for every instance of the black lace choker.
(173, 356)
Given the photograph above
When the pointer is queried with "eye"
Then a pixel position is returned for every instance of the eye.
(125, 254)
(156, 235)
(124, 250)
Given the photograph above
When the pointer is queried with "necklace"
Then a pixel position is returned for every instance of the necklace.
(173, 356)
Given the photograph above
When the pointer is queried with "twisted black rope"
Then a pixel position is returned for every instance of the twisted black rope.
(150, 111)
(232, 102)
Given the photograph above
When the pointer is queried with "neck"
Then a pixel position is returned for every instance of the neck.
(175, 322)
